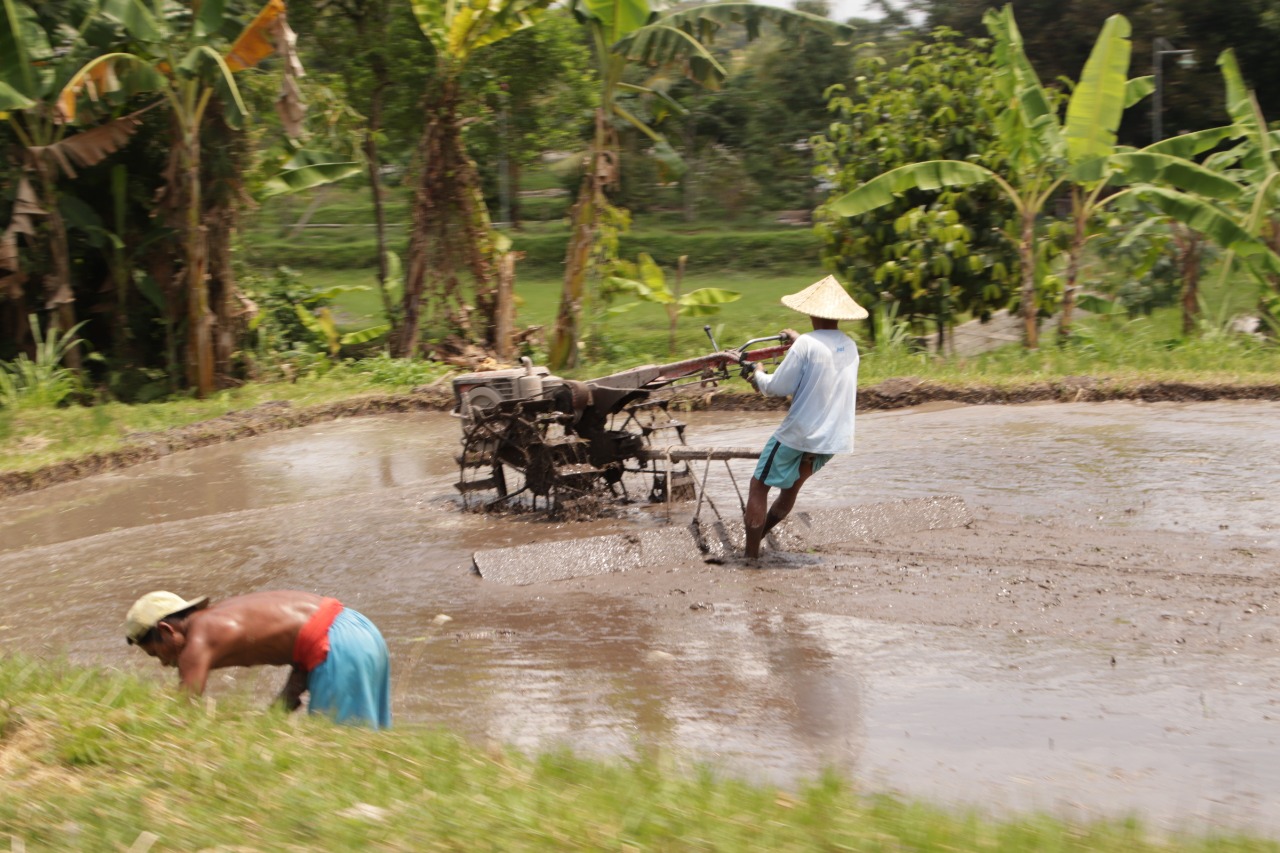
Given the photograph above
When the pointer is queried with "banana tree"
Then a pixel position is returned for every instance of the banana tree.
(181, 54)
(451, 227)
(1046, 155)
(1255, 163)
(35, 71)
(625, 32)
(651, 286)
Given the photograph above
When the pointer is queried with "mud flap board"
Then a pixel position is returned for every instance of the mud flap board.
(715, 542)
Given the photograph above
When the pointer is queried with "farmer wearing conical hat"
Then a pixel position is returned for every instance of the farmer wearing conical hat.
(336, 654)
(820, 374)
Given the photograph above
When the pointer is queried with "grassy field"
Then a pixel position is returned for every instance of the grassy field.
(1105, 347)
(95, 760)
(757, 313)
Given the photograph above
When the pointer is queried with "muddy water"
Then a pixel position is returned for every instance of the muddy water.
(364, 509)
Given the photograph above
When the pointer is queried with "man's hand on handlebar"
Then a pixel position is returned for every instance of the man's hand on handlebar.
(789, 336)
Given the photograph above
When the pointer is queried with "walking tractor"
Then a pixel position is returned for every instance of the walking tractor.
(533, 441)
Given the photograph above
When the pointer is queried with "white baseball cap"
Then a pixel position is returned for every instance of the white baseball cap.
(155, 607)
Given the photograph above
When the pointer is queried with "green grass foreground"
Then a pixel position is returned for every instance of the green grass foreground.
(97, 760)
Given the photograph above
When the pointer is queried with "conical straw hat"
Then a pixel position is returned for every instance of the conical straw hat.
(826, 299)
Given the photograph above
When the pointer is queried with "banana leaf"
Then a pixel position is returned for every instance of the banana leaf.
(706, 301)
(1137, 89)
(930, 175)
(292, 180)
(1221, 228)
(1145, 167)
(24, 50)
(458, 28)
(1097, 104)
(362, 336)
(616, 18)
(136, 19)
(659, 45)
(1188, 145)
(683, 36)
(1018, 79)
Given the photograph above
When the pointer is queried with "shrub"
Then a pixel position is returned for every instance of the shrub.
(43, 382)
(382, 369)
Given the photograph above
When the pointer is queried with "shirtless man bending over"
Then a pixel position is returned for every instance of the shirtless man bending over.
(336, 654)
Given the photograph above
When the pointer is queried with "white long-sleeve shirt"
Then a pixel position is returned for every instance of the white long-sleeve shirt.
(820, 374)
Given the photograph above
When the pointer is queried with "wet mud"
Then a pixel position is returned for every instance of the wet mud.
(1096, 638)
(902, 392)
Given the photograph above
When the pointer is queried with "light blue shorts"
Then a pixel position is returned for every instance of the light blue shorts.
(779, 465)
(353, 685)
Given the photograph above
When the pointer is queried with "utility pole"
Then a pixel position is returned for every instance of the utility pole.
(1160, 48)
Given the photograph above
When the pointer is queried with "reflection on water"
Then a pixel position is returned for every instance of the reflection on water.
(364, 509)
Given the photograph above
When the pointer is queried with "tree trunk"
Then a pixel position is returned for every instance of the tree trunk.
(295, 229)
(451, 230)
(601, 170)
(1271, 234)
(517, 215)
(1189, 246)
(582, 235)
(195, 238)
(59, 297)
(1073, 267)
(222, 290)
(382, 80)
(673, 309)
(1027, 304)
(504, 316)
(1191, 293)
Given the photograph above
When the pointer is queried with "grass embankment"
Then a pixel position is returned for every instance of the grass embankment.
(1109, 359)
(95, 760)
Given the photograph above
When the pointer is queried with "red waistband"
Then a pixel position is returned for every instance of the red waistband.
(312, 645)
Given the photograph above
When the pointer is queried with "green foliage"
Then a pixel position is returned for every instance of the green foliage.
(277, 324)
(939, 251)
(1044, 155)
(365, 46)
(382, 369)
(295, 326)
(43, 382)
(321, 324)
(530, 95)
(775, 104)
(762, 247)
(1060, 36)
(630, 33)
(646, 280)
(1135, 249)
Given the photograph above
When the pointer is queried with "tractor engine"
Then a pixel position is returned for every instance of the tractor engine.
(475, 392)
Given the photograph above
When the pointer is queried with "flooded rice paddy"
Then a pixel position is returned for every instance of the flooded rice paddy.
(1098, 642)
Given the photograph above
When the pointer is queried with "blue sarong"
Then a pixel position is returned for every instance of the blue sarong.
(353, 685)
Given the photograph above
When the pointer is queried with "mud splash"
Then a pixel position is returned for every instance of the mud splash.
(1099, 641)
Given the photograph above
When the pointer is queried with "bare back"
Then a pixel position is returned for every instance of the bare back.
(256, 629)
